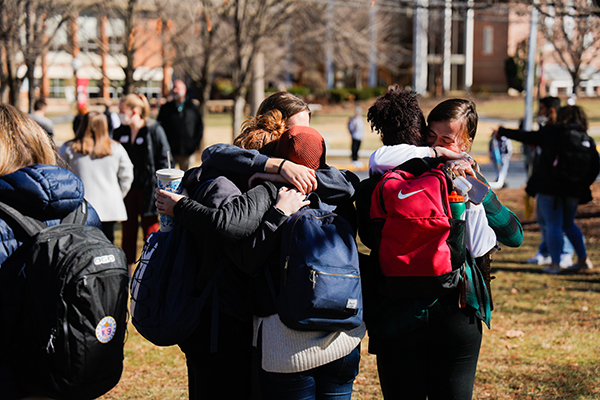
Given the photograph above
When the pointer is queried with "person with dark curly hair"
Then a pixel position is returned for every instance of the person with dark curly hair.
(425, 347)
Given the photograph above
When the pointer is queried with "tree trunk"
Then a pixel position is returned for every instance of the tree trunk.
(31, 91)
(238, 113)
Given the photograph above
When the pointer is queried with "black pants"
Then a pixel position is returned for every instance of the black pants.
(109, 230)
(226, 373)
(355, 147)
(437, 360)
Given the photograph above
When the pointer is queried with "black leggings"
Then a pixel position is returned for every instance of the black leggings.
(437, 360)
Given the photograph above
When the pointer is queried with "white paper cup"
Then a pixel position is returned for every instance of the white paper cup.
(168, 179)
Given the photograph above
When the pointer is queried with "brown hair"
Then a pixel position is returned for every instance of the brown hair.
(287, 103)
(92, 136)
(457, 110)
(572, 115)
(22, 141)
(261, 130)
(139, 102)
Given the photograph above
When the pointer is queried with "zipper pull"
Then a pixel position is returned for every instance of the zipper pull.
(313, 277)
(285, 270)
(50, 345)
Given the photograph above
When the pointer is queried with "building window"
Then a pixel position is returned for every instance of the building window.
(488, 40)
(57, 88)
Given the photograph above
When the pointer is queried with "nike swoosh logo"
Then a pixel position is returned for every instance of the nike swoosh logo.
(402, 196)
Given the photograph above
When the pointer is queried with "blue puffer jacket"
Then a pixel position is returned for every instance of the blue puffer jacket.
(45, 192)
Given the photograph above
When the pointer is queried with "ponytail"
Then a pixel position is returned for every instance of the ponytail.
(261, 130)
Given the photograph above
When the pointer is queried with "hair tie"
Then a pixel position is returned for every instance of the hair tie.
(281, 165)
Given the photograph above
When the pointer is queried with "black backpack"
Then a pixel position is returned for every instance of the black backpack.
(64, 307)
(576, 157)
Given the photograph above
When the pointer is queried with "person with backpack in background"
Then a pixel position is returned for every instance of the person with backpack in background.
(31, 182)
(546, 117)
(427, 341)
(104, 167)
(206, 365)
(147, 147)
(356, 127)
(568, 165)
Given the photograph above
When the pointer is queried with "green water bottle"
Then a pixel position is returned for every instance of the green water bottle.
(457, 205)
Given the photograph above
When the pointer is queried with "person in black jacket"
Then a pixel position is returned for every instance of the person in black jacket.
(181, 119)
(559, 193)
(147, 146)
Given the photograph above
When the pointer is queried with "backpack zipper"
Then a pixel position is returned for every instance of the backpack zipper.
(314, 273)
(287, 257)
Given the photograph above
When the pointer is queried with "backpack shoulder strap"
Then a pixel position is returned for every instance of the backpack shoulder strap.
(29, 225)
(78, 215)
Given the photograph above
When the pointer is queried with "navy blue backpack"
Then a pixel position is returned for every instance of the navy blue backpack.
(165, 300)
(320, 286)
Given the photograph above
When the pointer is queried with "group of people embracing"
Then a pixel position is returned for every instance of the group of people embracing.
(236, 201)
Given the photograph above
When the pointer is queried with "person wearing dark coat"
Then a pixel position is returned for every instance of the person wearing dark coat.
(147, 146)
(32, 183)
(181, 119)
(558, 196)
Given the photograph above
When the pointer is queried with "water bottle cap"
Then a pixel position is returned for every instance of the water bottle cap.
(455, 197)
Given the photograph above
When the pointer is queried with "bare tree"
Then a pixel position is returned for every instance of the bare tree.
(574, 31)
(27, 29)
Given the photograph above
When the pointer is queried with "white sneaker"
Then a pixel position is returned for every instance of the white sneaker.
(540, 259)
(566, 260)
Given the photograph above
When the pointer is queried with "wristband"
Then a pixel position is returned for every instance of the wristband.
(280, 165)
(435, 152)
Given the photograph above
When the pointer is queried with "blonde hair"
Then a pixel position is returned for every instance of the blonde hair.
(260, 130)
(92, 136)
(137, 102)
(22, 141)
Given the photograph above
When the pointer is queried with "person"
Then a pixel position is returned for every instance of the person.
(250, 212)
(147, 147)
(412, 337)
(112, 118)
(559, 195)
(356, 127)
(500, 153)
(33, 183)
(39, 115)
(547, 112)
(81, 111)
(181, 119)
(104, 167)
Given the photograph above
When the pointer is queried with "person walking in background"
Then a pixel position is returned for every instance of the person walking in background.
(182, 121)
(104, 167)
(356, 127)
(81, 111)
(147, 146)
(39, 116)
(32, 183)
(568, 165)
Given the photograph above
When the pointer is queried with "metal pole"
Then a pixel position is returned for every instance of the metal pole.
(421, 22)
(469, 28)
(329, 78)
(447, 54)
(528, 120)
(373, 50)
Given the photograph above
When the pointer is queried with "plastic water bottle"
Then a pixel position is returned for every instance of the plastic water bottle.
(457, 205)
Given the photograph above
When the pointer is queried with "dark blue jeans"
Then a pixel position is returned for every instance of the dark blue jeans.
(330, 381)
(437, 361)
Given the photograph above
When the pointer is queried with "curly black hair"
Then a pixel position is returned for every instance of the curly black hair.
(397, 118)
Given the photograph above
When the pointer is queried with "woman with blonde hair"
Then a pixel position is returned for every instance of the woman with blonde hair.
(32, 183)
(146, 144)
(104, 167)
